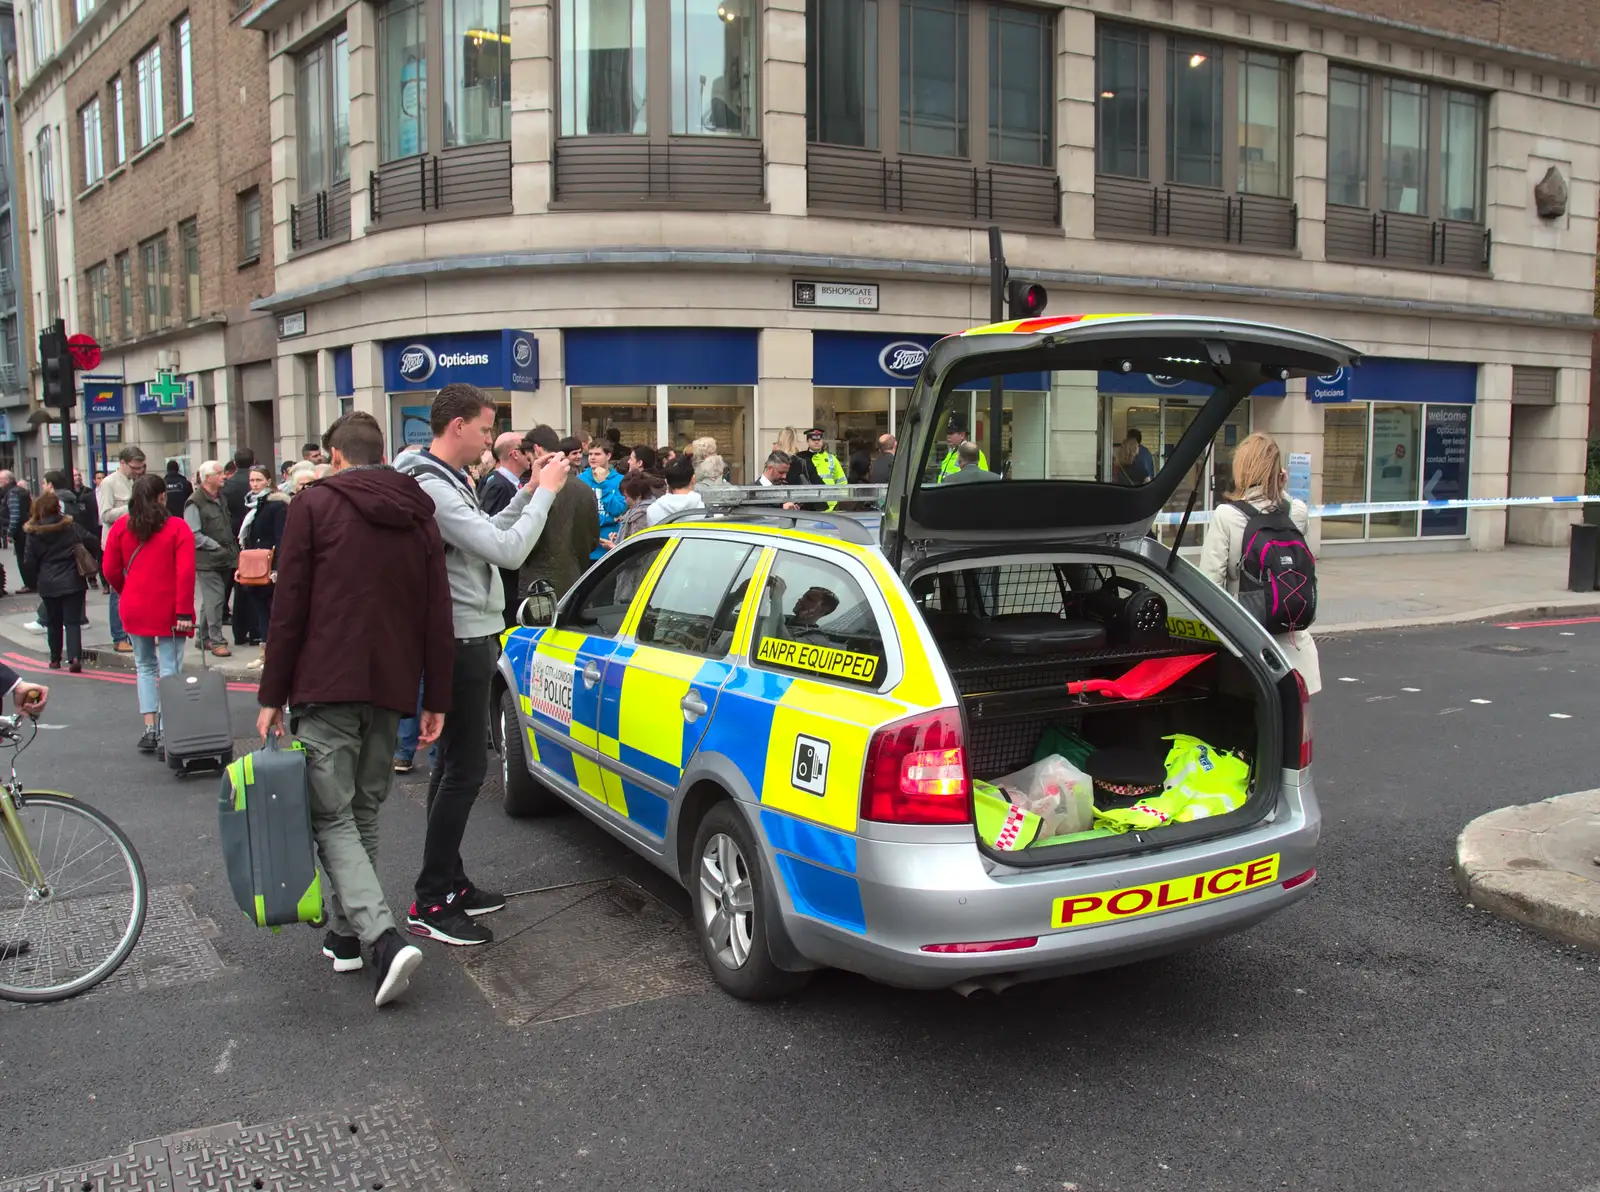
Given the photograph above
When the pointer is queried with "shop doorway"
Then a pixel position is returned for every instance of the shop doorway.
(261, 429)
(1159, 423)
(675, 416)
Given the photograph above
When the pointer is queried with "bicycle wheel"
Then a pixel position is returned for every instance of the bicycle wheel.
(67, 935)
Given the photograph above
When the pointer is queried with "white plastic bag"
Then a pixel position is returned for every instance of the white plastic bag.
(1056, 791)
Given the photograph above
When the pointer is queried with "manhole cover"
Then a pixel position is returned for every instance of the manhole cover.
(1511, 648)
(173, 949)
(579, 949)
(382, 1147)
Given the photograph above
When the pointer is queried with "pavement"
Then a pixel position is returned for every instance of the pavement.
(1539, 864)
(1382, 1034)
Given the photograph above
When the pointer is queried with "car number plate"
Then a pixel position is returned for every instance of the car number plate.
(550, 683)
(1132, 901)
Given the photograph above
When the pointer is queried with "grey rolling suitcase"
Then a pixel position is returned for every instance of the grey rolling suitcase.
(196, 730)
(267, 845)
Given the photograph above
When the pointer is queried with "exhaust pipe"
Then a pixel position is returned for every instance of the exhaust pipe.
(978, 987)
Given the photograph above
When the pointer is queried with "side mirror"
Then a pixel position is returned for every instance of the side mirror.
(538, 608)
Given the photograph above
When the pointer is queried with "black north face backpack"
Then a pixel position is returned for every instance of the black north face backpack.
(1277, 575)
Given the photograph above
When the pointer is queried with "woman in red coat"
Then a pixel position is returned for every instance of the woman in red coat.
(149, 560)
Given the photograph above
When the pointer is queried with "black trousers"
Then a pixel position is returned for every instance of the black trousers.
(252, 612)
(463, 760)
(63, 615)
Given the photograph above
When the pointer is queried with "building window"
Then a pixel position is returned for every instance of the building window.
(81, 9)
(147, 70)
(842, 72)
(477, 71)
(119, 142)
(603, 68)
(1412, 138)
(47, 227)
(933, 77)
(322, 101)
(713, 68)
(157, 283)
(1220, 105)
(99, 286)
(1021, 50)
(189, 247)
(250, 226)
(403, 48)
(93, 165)
(39, 22)
(185, 69)
(125, 293)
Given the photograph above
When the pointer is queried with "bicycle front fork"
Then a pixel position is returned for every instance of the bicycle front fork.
(11, 828)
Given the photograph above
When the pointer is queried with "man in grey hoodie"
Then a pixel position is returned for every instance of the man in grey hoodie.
(476, 544)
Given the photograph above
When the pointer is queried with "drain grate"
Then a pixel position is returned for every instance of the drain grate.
(580, 949)
(380, 1148)
(1516, 649)
(174, 948)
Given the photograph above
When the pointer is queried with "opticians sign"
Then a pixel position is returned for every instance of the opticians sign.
(487, 359)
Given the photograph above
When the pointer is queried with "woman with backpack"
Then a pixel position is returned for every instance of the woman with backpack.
(1259, 480)
(52, 554)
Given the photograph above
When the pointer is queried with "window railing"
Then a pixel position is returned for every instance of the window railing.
(706, 173)
(930, 188)
(321, 218)
(460, 182)
(1128, 208)
(1409, 241)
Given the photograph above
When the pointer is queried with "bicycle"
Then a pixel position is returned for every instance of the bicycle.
(72, 889)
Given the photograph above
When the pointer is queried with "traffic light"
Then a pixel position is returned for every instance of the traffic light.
(1025, 299)
(57, 368)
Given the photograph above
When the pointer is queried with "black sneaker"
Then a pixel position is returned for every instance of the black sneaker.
(475, 900)
(343, 950)
(151, 738)
(394, 961)
(447, 923)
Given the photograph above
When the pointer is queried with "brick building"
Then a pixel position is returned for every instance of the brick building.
(153, 119)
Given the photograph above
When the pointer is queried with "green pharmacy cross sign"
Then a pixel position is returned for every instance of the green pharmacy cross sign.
(166, 390)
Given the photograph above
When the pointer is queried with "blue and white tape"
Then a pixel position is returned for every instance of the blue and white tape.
(1351, 508)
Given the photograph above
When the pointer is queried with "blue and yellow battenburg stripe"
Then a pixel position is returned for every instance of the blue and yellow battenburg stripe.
(755, 720)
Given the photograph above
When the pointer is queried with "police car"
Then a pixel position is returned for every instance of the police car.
(792, 714)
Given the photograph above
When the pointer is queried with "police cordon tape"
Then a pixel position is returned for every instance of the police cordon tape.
(810, 494)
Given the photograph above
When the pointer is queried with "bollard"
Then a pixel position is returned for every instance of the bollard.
(1583, 559)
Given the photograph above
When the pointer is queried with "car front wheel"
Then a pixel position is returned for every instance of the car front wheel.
(525, 794)
(730, 899)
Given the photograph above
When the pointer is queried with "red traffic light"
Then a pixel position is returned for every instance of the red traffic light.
(1025, 299)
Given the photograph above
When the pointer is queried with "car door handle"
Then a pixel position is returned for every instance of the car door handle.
(591, 674)
(693, 706)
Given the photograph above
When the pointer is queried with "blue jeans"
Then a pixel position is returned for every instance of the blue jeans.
(154, 658)
(118, 633)
(406, 747)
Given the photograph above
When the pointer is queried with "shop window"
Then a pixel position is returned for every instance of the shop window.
(1395, 451)
(147, 74)
(688, 602)
(1405, 172)
(1193, 140)
(921, 156)
(444, 148)
(815, 620)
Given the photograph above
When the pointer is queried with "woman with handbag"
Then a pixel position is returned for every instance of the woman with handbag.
(149, 561)
(58, 555)
(266, 509)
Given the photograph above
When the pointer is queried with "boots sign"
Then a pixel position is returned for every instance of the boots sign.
(487, 359)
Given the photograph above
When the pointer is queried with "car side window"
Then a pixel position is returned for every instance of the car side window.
(687, 603)
(602, 604)
(814, 619)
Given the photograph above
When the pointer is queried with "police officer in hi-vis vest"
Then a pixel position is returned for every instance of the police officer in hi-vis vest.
(956, 436)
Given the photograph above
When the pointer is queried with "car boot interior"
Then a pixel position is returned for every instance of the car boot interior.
(1174, 753)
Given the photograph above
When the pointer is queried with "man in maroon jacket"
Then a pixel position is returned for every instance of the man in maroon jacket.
(360, 615)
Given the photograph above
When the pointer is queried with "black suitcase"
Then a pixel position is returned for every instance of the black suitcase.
(1039, 633)
(196, 730)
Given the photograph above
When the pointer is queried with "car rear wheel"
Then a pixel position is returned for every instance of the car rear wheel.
(525, 794)
(729, 893)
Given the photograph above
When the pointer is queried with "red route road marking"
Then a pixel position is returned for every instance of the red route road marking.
(103, 676)
(1545, 624)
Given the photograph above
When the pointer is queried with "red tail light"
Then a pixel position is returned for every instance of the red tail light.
(1305, 721)
(917, 773)
(1309, 875)
(1026, 941)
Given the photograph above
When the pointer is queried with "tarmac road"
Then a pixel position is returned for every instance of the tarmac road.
(1379, 1035)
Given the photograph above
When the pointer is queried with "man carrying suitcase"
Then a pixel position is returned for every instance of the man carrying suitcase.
(361, 614)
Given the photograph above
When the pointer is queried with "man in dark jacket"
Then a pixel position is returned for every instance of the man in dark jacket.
(494, 494)
(216, 554)
(235, 488)
(884, 463)
(179, 488)
(362, 613)
(573, 527)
